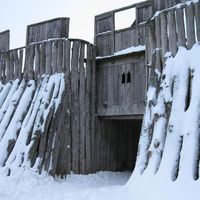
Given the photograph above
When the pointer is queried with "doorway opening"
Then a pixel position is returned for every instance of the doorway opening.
(118, 144)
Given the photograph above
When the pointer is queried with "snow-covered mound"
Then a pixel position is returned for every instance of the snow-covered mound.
(167, 166)
(25, 110)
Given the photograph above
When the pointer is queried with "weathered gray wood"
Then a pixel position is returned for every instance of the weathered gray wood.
(11, 61)
(82, 99)
(75, 107)
(31, 62)
(54, 57)
(190, 26)
(21, 53)
(48, 58)
(180, 27)
(37, 60)
(93, 103)
(164, 38)
(152, 38)
(16, 64)
(88, 108)
(172, 32)
(55, 28)
(60, 56)
(66, 56)
(42, 58)
(197, 19)
(7, 66)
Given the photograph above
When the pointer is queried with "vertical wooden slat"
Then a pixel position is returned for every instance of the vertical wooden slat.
(16, 64)
(190, 26)
(42, 58)
(7, 66)
(93, 103)
(54, 57)
(87, 107)
(164, 37)
(37, 60)
(48, 58)
(180, 27)
(21, 53)
(197, 19)
(172, 32)
(75, 107)
(158, 32)
(82, 98)
(31, 62)
(59, 56)
(66, 55)
(11, 61)
(1, 67)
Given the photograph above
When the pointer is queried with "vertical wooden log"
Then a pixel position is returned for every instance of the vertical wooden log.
(87, 108)
(180, 27)
(31, 62)
(54, 57)
(37, 61)
(164, 37)
(66, 56)
(92, 106)
(7, 66)
(158, 32)
(190, 26)
(1, 67)
(82, 118)
(197, 19)
(48, 58)
(16, 64)
(42, 58)
(11, 65)
(21, 53)
(60, 56)
(75, 107)
(172, 32)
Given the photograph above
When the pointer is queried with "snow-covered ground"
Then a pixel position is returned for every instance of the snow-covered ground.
(27, 185)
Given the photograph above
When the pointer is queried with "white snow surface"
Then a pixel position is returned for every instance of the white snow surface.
(28, 185)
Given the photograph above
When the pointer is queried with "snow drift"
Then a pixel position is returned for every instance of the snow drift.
(167, 165)
(28, 123)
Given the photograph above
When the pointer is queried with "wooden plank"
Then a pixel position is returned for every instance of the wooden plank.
(11, 61)
(172, 32)
(158, 32)
(31, 62)
(4, 40)
(16, 64)
(180, 27)
(66, 56)
(82, 99)
(60, 56)
(48, 58)
(197, 19)
(1, 67)
(7, 66)
(21, 53)
(75, 107)
(164, 37)
(88, 108)
(42, 58)
(37, 60)
(190, 26)
(54, 57)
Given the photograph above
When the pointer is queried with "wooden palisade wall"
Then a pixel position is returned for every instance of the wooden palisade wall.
(171, 28)
(54, 28)
(108, 40)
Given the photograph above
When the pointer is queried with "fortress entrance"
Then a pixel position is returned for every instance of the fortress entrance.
(117, 144)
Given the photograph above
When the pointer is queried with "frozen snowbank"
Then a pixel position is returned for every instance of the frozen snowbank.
(28, 185)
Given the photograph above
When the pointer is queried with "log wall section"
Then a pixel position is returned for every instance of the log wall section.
(54, 28)
(171, 28)
(109, 40)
